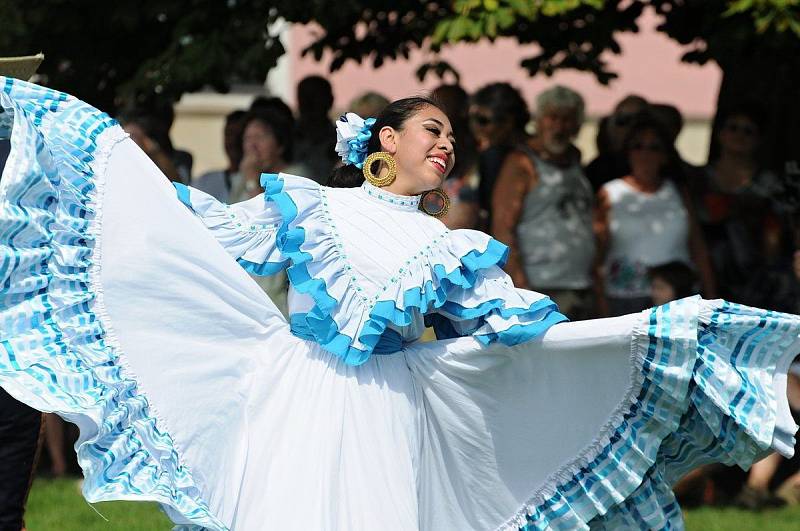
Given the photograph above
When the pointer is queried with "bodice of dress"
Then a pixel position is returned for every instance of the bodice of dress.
(368, 271)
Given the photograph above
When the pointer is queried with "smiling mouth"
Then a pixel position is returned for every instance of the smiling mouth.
(438, 163)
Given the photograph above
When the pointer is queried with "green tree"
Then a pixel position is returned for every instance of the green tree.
(110, 52)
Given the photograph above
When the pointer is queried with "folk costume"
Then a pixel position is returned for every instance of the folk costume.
(127, 308)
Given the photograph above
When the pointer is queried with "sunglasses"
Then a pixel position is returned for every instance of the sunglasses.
(655, 147)
(745, 129)
(481, 119)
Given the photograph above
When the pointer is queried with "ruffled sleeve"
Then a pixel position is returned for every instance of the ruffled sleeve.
(246, 230)
(481, 300)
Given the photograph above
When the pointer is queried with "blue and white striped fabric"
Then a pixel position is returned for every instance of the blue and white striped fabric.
(703, 393)
(56, 352)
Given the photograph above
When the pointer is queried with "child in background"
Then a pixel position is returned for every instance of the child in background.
(671, 281)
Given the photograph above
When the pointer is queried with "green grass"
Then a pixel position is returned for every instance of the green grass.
(58, 505)
(728, 519)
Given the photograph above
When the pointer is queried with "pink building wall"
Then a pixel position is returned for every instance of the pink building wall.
(649, 65)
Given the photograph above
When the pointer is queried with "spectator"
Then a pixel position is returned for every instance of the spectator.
(267, 147)
(19, 436)
(498, 116)
(369, 104)
(670, 281)
(315, 134)
(183, 161)
(643, 220)
(672, 120)
(219, 183)
(150, 135)
(542, 207)
(54, 439)
(744, 224)
(611, 161)
(272, 104)
(775, 481)
(462, 182)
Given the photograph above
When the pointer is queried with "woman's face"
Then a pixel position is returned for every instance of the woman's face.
(423, 150)
(489, 129)
(739, 134)
(646, 154)
(259, 142)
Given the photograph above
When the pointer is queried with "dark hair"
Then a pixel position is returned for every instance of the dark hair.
(645, 121)
(505, 102)
(151, 125)
(670, 116)
(678, 275)
(454, 102)
(751, 110)
(235, 116)
(272, 104)
(281, 126)
(602, 141)
(314, 94)
(393, 115)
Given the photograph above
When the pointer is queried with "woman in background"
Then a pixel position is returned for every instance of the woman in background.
(643, 220)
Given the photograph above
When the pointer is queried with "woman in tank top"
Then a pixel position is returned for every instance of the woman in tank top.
(644, 220)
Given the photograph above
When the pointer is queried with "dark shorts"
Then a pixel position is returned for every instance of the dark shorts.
(19, 436)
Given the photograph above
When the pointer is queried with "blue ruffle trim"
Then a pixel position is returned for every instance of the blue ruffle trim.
(417, 300)
(264, 268)
(702, 392)
(57, 352)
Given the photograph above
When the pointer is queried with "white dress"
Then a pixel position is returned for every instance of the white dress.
(123, 309)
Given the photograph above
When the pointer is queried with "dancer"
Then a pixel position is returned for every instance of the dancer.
(124, 311)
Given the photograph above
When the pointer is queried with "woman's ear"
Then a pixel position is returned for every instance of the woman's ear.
(388, 137)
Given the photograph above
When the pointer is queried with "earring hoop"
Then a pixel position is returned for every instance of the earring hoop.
(442, 196)
(387, 159)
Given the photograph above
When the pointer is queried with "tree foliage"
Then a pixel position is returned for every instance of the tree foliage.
(108, 51)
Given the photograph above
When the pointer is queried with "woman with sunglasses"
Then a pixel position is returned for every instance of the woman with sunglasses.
(744, 224)
(127, 309)
(498, 116)
(644, 220)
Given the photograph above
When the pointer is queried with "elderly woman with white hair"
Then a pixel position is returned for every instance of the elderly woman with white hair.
(542, 207)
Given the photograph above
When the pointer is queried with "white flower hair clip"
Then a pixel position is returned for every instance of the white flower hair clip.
(352, 136)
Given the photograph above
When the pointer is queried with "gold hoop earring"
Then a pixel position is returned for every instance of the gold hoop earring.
(438, 195)
(387, 159)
